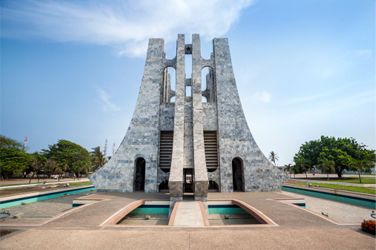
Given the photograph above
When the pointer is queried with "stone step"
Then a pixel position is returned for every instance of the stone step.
(188, 215)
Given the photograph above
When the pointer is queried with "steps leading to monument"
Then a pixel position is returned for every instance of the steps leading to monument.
(189, 215)
(165, 153)
(211, 150)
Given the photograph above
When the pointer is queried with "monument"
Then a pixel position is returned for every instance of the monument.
(188, 140)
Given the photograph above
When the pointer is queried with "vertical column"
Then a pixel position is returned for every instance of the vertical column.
(201, 177)
(176, 172)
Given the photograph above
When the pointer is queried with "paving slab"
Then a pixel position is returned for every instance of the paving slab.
(81, 229)
(188, 215)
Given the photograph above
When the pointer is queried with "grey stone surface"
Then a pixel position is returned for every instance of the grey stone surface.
(189, 117)
(142, 137)
(177, 163)
(235, 138)
(200, 173)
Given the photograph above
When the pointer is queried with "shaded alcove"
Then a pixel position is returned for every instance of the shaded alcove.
(163, 187)
(139, 177)
(213, 186)
(237, 174)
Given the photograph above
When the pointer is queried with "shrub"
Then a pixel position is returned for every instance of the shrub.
(368, 226)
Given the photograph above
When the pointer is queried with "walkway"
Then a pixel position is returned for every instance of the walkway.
(297, 229)
(188, 215)
(339, 211)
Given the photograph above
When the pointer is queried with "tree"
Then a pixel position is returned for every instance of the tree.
(37, 165)
(342, 151)
(288, 167)
(50, 167)
(361, 166)
(12, 158)
(302, 165)
(273, 157)
(6, 142)
(295, 170)
(68, 153)
(326, 166)
(97, 158)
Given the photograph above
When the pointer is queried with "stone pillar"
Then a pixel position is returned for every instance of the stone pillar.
(200, 173)
(235, 138)
(142, 136)
(176, 172)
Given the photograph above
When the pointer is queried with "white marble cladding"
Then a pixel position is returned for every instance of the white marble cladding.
(188, 118)
(209, 118)
(235, 138)
(166, 117)
(142, 137)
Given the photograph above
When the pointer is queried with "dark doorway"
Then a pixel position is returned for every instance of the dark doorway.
(213, 186)
(188, 180)
(163, 187)
(237, 174)
(139, 178)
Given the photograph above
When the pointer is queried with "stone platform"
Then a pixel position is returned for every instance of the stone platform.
(297, 228)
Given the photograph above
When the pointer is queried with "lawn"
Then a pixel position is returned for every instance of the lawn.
(365, 180)
(72, 184)
(366, 190)
(55, 183)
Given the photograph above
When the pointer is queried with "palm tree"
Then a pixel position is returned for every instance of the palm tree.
(273, 157)
(302, 165)
(288, 167)
(97, 158)
(361, 166)
(327, 166)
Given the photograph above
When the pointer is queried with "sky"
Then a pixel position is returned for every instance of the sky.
(72, 69)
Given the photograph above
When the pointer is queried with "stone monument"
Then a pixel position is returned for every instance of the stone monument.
(188, 141)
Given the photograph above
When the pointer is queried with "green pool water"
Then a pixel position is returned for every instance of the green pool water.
(151, 209)
(226, 209)
(341, 198)
(16, 202)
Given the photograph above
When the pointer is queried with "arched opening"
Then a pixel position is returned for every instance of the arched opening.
(205, 78)
(139, 177)
(170, 77)
(204, 100)
(188, 66)
(163, 187)
(213, 186)
(188, 91)
(237, 174)
(172, 100)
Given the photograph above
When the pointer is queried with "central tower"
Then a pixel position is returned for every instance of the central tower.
(188, 164)
(190, 137)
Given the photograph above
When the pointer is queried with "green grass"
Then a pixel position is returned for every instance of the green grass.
(72, 184)
(365, 180)
(56, 183)
(340, 187)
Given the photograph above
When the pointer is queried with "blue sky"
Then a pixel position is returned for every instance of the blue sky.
(72, 69)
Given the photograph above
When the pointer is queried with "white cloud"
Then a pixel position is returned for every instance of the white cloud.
(107, 106)
(125, 25)
(263, 97)
(363, 53)
(306, 98)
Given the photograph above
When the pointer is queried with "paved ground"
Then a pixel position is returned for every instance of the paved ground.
(297, 229)
(188, 215)
(341, 212)
(40, 211)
